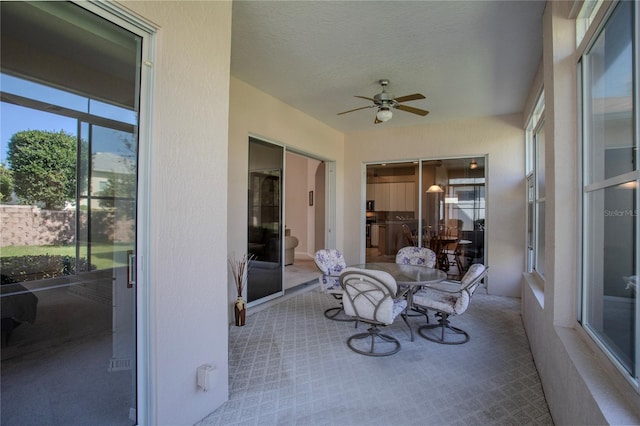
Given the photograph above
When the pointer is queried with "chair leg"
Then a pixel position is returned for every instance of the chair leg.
(443, 326)
(374, 334)
(404, 318)
(333, 313)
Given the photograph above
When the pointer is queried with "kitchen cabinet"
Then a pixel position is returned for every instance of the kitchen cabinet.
(410, 196)
(396, 196)
(382, 197)
(371, 191)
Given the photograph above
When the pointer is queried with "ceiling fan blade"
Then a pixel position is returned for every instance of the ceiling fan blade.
(364, 97)
(355, 109)
(413, 97)
(412, 110)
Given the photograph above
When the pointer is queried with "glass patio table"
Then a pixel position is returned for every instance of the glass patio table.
(412, 276)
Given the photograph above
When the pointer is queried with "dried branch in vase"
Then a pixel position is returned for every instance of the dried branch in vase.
(240, 271)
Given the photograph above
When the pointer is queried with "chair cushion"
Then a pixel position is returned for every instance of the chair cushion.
(330, 284)
(373, 295)
(398, 307)
(330, 261)
(416, 256)
(471, 275)
(442, 301)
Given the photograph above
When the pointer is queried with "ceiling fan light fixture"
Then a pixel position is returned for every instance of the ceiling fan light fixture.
(384, 114)
(473, 164)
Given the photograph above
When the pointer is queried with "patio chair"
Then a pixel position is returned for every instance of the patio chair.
(416, 256)
(331, 262)
(369, 296)
(449, 299)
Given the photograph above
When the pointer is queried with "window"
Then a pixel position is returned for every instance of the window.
(609, 308)
(536, 190)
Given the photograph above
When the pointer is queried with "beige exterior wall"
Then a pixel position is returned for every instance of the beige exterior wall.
(580, 384)
(254, 113)
(501, 139)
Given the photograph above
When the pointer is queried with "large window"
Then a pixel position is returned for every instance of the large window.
(610, 188)
(536, 190)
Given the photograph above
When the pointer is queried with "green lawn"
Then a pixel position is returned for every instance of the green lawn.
(101, 254)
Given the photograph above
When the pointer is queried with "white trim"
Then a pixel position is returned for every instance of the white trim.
(145, 357)
(613, 181)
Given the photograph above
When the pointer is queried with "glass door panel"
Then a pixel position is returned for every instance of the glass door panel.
(454, 212)
(265, 230)
(391, 211)
(67, 263)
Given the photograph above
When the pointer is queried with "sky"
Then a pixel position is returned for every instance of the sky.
(15, 118)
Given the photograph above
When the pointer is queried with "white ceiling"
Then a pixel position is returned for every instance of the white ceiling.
(469, 58)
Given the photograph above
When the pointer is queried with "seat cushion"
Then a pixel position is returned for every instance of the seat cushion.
(330, 284)
(416, 256)
(449, 303)
(398, 307)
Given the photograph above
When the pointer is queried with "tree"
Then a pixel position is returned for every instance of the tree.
(44, 167)
(6, 183)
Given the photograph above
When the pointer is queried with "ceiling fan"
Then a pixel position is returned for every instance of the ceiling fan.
(385, 102)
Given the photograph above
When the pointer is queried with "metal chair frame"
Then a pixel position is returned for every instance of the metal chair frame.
(366, 287)
(443, 317)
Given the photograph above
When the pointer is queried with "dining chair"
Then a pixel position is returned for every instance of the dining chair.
(369, 296)
(331, 263)
(416, 256)
(449, 299)
(451, 255)
(410, 239)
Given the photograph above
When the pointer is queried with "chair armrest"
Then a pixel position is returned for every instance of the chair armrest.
(444, 287)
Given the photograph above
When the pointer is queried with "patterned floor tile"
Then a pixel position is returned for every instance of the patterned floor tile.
(291, 366)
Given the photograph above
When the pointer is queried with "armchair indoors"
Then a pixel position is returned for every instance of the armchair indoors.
(369, 296)
(331, 263)
(449, 299)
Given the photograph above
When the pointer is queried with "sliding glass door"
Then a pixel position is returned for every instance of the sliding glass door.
(438, 204)
(69, 165)
(265, 229)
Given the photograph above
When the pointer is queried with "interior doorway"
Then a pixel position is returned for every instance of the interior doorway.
(305, 183)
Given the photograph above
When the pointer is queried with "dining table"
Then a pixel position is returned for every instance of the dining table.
(411, 276)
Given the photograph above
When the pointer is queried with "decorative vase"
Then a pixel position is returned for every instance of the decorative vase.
(240, 309)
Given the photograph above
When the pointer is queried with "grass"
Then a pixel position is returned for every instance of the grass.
(29, 257)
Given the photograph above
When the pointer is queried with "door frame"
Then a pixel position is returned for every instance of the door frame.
(145, 395)
(330, 203)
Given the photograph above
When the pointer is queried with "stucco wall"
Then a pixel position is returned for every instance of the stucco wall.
(500, 138)
(186, 192)
(581, 385)
(255, 113)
